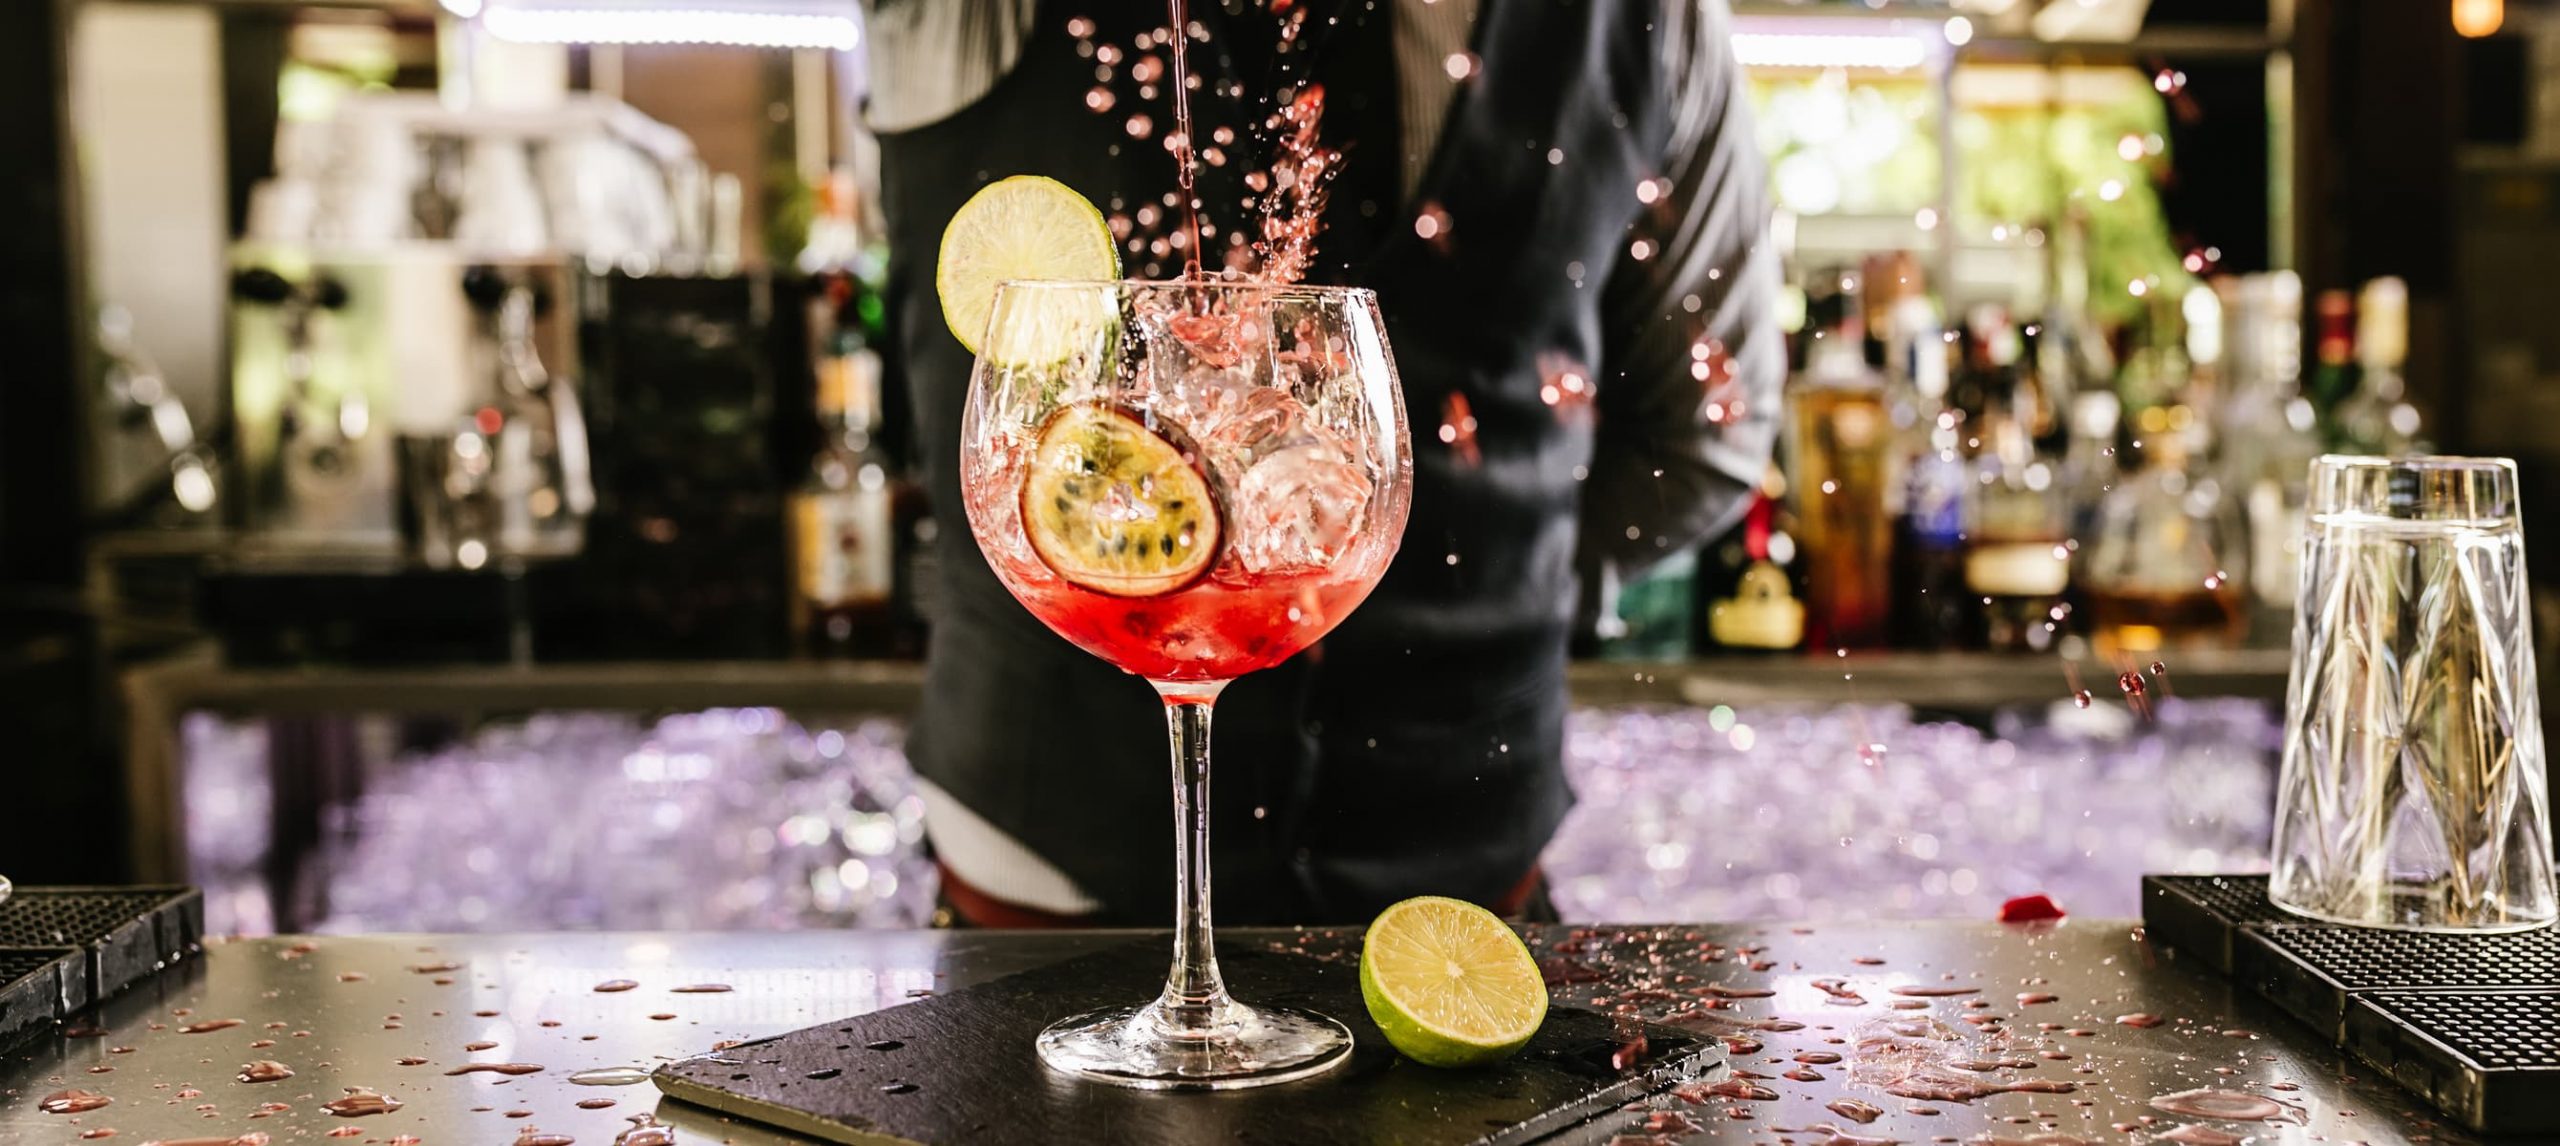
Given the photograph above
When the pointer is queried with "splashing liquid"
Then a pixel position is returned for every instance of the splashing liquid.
(1186, 165)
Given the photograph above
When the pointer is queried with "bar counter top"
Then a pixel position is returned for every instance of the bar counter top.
(396, 1013)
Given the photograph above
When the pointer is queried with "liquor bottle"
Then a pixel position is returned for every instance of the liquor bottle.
(2333, 378)
(1931, 607)
(2163, 569)
(2089, 467)
(852, 518)
(2375, 418)
(2270, 431)
(1747, 582)
(2016, 565)
(1841, 452)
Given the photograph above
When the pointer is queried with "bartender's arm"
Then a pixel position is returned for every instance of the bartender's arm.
(1677, 455)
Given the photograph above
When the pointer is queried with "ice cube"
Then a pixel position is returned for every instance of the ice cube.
(1200, 364)
(1299, 506)
(1257, 424)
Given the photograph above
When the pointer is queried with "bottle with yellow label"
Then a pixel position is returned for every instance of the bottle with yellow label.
(849, 518)
(1842, 470)
(2017, 558)
(2165, 557)
(1747, 582)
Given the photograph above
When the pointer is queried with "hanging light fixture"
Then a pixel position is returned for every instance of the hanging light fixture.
(747, 23)
(2477, 18)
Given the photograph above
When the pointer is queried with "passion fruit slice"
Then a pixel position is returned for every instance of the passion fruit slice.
(1117, 507)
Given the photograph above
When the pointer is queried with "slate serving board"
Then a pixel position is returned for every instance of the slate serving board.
(959, 1068)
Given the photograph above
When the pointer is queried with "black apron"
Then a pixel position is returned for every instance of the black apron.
(1418, 749)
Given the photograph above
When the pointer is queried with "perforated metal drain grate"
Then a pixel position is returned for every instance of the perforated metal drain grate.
(2361, 959)
(38, 917)
(19, 963)
(2238, 899)
(2501, 1031)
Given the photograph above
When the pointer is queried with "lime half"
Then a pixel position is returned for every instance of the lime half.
(1025, 227)
(1449, 983)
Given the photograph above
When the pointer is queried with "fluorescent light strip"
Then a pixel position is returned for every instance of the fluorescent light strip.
(684, 26)
(1819, 50)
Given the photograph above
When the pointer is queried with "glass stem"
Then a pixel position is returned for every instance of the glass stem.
(1195, 997)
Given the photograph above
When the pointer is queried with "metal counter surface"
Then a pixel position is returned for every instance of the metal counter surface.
(346, 1012)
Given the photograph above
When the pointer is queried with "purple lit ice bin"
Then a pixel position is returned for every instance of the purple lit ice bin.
(747, 819)
(728, 819)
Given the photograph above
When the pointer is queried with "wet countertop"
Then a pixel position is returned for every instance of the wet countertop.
(2052, 1036)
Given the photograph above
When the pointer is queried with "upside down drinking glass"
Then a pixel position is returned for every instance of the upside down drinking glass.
(1192, 480)
(2412, 789)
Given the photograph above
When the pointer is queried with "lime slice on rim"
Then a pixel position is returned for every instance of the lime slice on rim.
(1449, 983)
(1117, 507)
(1025, 227)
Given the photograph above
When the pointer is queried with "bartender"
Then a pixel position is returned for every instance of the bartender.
(1561, 211)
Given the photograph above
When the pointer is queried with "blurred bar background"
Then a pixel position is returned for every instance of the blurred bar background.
(476, 412)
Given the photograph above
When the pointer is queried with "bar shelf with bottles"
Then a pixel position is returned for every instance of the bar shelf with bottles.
(2034, 486)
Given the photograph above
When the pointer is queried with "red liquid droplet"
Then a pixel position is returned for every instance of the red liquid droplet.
(646, 1130)
(701, 989)
(72, 1102)
(208, 1025)
(2030, 909)
(2227, 1105)
(1855, 1111)
(2131, 683)
(506, 1068)
(361, 1103)
(609, 986)
(2081, 698)
(1740, 1089)
(2197, 1134)
(265, 1070)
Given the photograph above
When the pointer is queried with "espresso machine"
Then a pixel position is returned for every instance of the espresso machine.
(411, 435)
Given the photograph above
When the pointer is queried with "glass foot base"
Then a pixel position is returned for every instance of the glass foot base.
(1239, 1047)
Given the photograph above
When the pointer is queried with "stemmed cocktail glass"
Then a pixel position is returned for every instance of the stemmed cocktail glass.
(1192, 480)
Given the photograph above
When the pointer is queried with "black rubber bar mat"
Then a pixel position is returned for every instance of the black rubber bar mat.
(2202, 914)
(126, 933)
(38, 986)
(2490, 1060)
(2470, 1022)
(959, 1068)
